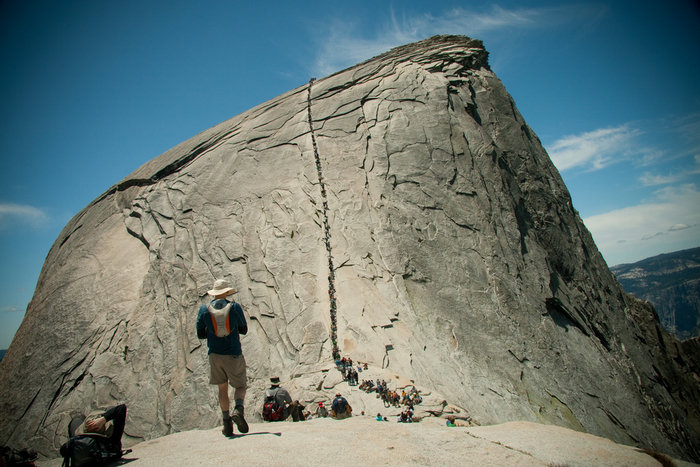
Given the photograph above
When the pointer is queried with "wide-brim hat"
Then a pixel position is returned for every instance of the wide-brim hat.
(221, 287)
(106, 430)
(275, 380)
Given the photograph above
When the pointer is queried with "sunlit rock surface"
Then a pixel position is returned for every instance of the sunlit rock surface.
(459, 265)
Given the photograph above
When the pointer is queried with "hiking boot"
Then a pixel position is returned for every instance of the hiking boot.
(237, 417)
(228, 428)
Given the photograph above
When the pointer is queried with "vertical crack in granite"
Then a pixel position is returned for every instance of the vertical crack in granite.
(327, 232)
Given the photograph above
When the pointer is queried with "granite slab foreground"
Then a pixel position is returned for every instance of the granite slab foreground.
(364, 441)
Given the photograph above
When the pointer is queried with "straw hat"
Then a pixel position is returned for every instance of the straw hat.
(221, 287)
(106, 430)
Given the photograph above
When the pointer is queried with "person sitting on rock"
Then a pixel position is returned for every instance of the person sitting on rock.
(321, 411)
(451, 421)
(340, 408)
(282, 399)
(378, 417)
(107, 423)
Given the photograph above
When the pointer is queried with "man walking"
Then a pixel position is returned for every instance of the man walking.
(221, 322)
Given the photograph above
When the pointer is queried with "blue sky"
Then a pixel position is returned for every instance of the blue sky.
(90, 90)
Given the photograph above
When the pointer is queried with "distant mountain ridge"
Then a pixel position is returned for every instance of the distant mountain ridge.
(670, 282)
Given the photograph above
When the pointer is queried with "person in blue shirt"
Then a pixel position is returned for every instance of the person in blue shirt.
(222, 323)
(340, 408)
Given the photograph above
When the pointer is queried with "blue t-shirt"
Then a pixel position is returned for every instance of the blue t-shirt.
(231, 344)
(339, 404)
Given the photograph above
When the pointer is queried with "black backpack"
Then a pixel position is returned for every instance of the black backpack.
(12, 457)
(88, 451)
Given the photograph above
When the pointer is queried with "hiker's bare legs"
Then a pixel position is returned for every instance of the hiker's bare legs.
(224, 402)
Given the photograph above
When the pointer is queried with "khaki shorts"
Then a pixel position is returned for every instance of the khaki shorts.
(228, 369)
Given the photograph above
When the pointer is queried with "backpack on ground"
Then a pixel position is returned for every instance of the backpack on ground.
(88, 451)
(15, 458)
(271, 411)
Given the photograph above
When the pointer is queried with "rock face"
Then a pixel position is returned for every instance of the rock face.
(457, 261)
(364, 441)
(670, 282)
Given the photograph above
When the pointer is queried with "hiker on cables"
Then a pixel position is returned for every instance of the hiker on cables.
(222, 322)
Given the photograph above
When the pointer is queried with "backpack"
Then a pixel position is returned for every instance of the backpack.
(88, 451)
(342, 405)
(12, 457)
(271, 411)
(220, 319)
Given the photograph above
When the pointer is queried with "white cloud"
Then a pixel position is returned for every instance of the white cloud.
(670, 222)
(17, 214)
(651, 179)
(689, 129)
(342, 45)
(595, 149)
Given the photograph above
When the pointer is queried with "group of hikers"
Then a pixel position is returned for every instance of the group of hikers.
(278, 406)
(389, 397)
(349, 373)
(221, 322)
(404, 417)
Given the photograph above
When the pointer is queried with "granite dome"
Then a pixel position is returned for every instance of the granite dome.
(415, 222)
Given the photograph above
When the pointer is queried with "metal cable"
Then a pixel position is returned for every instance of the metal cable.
(327, 233)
